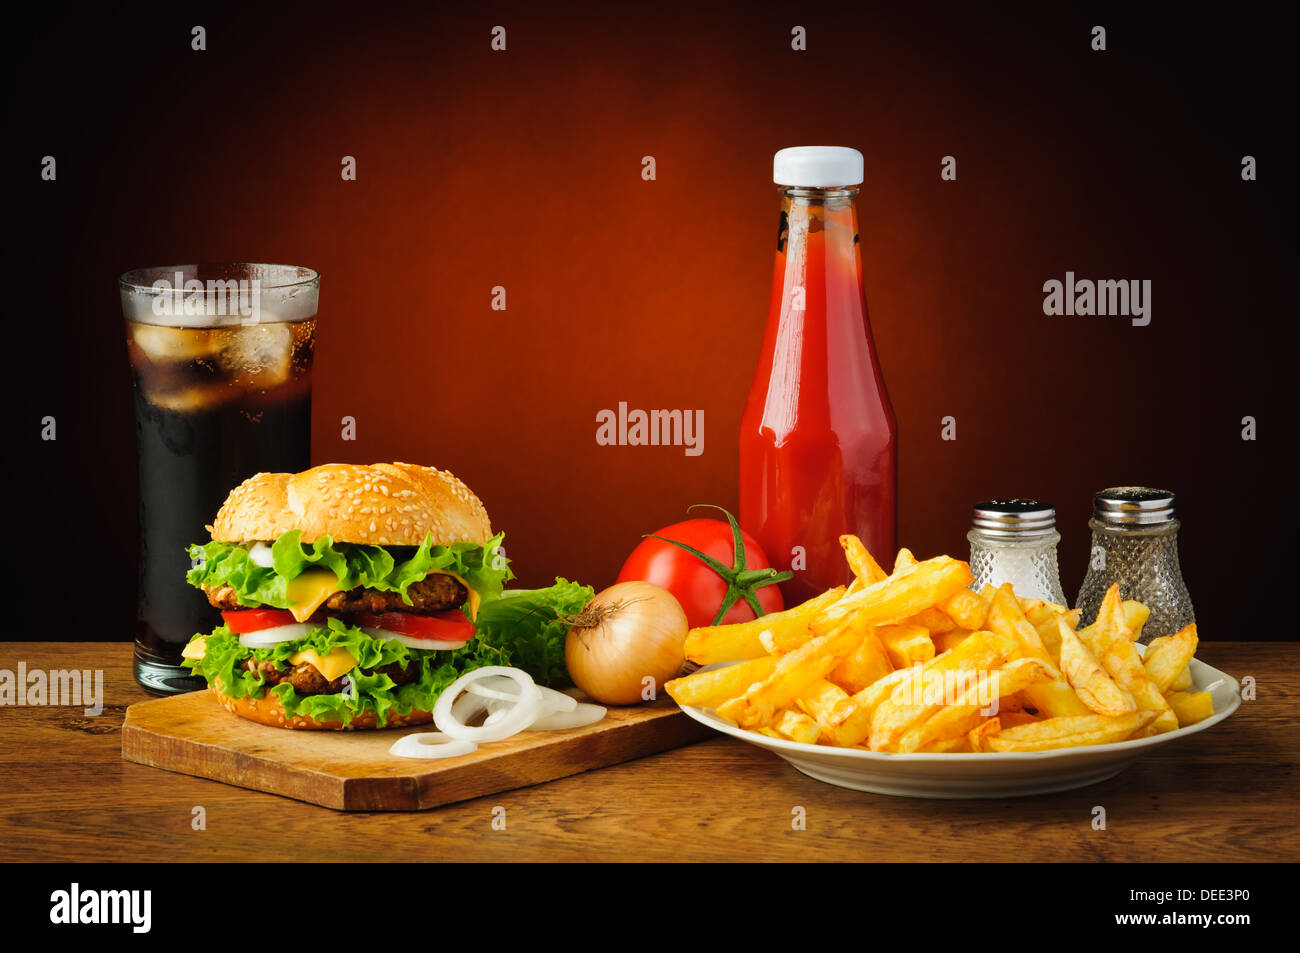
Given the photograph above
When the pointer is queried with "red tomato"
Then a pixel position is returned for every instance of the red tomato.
(442, 627)
(697, 587)
(240, 621)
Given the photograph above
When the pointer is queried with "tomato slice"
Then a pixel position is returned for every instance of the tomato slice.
(443, 626)
(240, 621)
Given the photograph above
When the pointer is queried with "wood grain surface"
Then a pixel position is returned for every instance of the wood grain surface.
(1225, 794)
(353, 771)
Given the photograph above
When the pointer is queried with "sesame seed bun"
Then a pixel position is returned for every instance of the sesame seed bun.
(267, 710)
(386, 504)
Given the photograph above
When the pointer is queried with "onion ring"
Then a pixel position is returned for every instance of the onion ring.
(517, 718)
(561, 720)
(431, 744)
(552, 700)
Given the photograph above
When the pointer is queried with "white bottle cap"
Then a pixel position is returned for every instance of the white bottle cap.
(817, 167)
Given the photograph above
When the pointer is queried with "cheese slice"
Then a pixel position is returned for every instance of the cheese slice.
(195, 648)
(309, 590)
(332, 665)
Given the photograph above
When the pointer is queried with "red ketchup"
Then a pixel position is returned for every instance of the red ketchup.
(818, 440)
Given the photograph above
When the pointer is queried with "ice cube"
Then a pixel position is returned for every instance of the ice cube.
(162, 344)
(263, 351)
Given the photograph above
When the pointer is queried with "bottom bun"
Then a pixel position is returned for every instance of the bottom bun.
(267, 710)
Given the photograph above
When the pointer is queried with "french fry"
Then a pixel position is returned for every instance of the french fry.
(733, 643)
(933, 619)
(864, 665)
(971, 707)
(860, 560)
(1013, 702)
(905, 644)
(1007, 618)
(1090, 681)
(795, 672)
(904, 560)
(1112, 647)
(1069, 732)
(1182, 681)
(943, 641)
(1135, 616)
(1167, 657)
(796, 726)
(898, 596)
(959, 745)
(1010, 719)
(710, 689)
(1035, 607)
(825, 702)
(913, 698)
(1191, 707)
(1055, 699)
(977, 736)
(966, 609)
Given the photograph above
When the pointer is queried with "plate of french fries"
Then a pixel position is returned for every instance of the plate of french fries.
(911, 683)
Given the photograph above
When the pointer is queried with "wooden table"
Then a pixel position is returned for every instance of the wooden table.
(1226, 794)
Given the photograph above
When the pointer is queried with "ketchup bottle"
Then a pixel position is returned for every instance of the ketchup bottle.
(818, 439)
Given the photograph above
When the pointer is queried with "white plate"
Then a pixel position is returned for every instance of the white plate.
(992, 774)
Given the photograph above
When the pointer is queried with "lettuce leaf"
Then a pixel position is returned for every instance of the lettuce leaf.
(528, 626)
(485, 568)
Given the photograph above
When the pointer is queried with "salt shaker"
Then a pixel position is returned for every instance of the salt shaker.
(1015, 541)
(1135, 544)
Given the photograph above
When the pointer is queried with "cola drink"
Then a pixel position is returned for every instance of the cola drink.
(221, 359)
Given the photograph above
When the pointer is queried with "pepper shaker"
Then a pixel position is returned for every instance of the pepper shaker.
(1135, 544)
(1015, 541)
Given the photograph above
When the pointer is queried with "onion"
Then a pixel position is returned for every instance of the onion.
(581, 717)
(431, 744)
(629, 632)
(410, 640)
(266, 638)
(518, 717)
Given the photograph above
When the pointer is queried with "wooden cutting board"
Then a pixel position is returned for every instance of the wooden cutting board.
(353, 771)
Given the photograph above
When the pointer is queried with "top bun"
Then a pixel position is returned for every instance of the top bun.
(386, 504)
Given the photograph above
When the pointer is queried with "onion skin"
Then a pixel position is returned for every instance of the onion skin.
(628, 632)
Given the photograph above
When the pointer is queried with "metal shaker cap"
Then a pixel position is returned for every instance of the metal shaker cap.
(1133, 506)
(1020, 518)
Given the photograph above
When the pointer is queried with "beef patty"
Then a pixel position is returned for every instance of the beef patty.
(307, 680)
(434, 593)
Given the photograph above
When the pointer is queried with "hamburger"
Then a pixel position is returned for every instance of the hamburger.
(348, 595)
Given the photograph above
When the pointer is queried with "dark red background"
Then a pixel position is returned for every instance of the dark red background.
(522, 169)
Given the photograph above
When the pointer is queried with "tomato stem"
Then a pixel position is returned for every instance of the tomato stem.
(741, 581)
